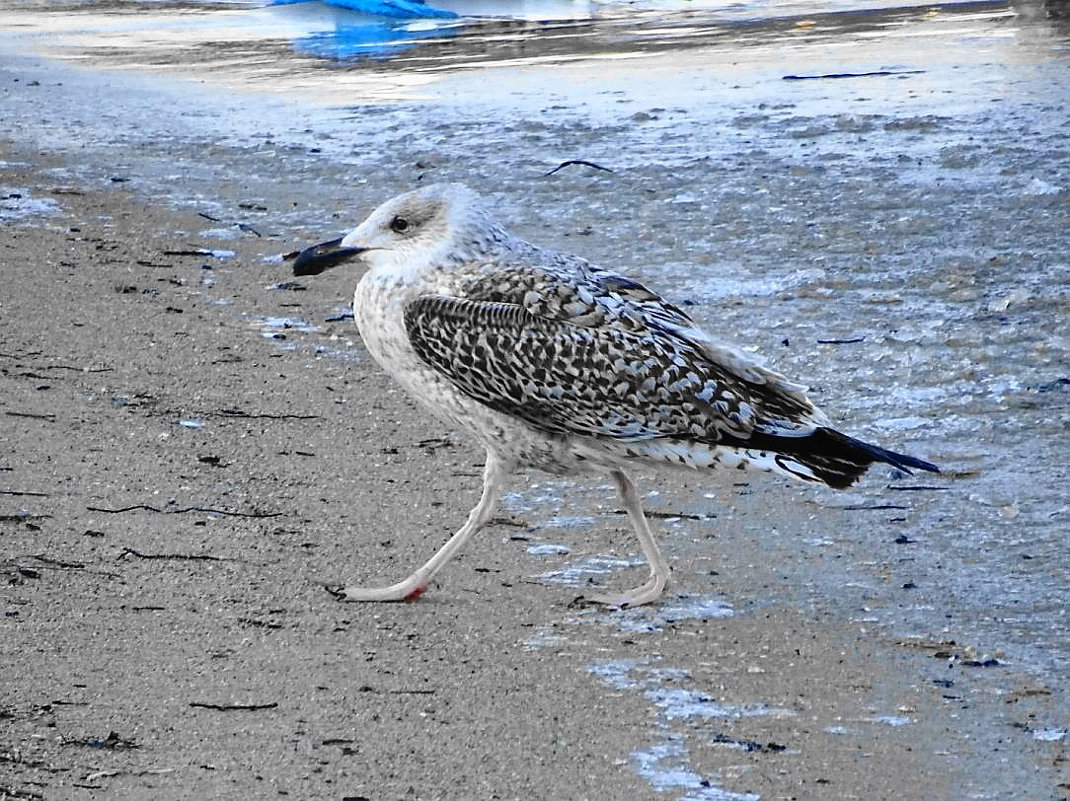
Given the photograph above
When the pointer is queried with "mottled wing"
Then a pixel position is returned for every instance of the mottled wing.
(576, 292)
(620, 381)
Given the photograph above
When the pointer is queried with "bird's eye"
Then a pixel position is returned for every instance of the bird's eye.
(399, 225)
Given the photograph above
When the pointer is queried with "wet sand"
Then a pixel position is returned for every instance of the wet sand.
(194, 445)
(153, 569)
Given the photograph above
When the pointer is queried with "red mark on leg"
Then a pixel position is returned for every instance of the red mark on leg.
(416, 593)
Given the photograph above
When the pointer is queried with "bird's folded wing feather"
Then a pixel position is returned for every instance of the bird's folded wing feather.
(579, 360)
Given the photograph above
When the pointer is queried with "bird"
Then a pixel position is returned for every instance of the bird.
(551, 362)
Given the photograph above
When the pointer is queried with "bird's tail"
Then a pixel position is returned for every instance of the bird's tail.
(829, 457)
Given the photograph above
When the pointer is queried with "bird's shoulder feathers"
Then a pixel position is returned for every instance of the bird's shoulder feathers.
(570, 290)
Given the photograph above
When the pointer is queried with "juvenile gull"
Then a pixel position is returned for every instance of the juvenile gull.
(551, 362)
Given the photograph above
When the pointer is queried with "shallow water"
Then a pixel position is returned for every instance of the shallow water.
(897, 237)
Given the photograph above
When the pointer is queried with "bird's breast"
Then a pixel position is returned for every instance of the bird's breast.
(379, 312)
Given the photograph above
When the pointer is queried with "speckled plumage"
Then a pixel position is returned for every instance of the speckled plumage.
(554, 363)
(578, 353)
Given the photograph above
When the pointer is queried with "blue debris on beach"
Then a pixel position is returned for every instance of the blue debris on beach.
(397, 9)
(377, 40)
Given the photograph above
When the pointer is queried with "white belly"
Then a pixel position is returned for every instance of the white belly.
(378, 309)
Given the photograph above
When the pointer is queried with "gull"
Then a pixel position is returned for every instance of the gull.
(553, 363)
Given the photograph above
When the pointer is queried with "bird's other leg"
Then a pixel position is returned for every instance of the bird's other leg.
(494, 475)
(659, 568)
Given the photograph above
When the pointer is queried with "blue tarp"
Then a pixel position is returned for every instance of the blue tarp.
(397, 9)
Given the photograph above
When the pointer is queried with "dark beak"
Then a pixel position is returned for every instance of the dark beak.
(314, 260)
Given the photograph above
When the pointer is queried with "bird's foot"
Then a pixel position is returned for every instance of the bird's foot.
(408, 590)
(646, 594)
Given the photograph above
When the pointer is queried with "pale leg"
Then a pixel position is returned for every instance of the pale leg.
(659, 568)
(413, 587)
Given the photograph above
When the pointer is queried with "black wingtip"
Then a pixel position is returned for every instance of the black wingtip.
(833, 458)
(921, 464)
(900, 460)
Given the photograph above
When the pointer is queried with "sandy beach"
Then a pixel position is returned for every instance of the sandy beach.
(194, 443)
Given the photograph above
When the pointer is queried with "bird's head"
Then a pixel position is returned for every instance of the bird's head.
(431, 225)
